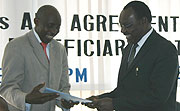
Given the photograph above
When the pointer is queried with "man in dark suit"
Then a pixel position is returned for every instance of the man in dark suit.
(149, 68)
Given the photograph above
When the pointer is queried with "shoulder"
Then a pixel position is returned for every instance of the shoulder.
(20, 41)
(164, 45)
(57, 44)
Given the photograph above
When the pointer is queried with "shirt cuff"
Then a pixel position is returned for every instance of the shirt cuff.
(28, 107)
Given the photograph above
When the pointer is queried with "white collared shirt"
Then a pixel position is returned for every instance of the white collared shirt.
(142, 41)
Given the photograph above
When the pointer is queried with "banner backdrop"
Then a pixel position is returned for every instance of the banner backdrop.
(91, 34)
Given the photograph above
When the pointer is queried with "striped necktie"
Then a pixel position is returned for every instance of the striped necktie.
(132, 54)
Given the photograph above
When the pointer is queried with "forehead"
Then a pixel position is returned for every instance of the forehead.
(51, 17)
(127, 15)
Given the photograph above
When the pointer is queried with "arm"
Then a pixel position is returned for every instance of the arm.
(112, 94)
(64, 84)
(13, 75)
(13, 67)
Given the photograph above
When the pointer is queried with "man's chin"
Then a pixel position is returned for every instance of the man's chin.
(129, 40)
(47, 40)
(49, 37)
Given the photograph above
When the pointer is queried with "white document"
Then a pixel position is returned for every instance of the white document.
(66, 96)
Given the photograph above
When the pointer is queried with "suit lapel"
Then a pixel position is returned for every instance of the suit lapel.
(144, 49)
(124, 66)
(52, 54)
(37, 49)
(125, 60)
(54, 64)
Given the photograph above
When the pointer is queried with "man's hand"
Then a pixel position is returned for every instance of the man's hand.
(68, 104)
(104, 104)
(91, 105)
(36, 97)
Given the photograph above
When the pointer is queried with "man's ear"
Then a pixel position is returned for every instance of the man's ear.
(144, 20)
(36, 21)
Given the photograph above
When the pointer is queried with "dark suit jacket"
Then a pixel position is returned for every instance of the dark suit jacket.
(150, 82)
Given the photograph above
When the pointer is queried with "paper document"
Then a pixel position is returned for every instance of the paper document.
(66, 96)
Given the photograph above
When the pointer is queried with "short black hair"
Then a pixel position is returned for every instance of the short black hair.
(45, 9)
(141, 9)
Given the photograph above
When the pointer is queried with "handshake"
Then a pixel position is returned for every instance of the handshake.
(67, 100)
(103, 104)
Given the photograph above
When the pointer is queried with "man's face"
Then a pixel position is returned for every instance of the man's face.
(48, 26)
(131, 27)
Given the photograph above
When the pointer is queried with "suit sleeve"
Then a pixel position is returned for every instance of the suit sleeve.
(64, 84)
(115, 92)
(13, 76)
(162, 79)
(111, 94)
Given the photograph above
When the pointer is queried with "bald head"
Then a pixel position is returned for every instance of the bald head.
(46, 10)
(47, 23)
